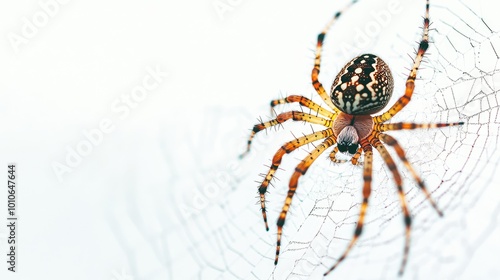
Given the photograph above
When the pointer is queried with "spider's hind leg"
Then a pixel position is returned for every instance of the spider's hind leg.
(402, 198)
(391, 141)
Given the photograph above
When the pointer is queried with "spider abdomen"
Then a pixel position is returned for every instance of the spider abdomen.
(364, 86)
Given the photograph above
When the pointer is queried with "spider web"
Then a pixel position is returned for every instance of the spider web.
(215, 229)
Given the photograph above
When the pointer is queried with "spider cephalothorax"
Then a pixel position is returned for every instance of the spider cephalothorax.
(349, 129)
(363, 87)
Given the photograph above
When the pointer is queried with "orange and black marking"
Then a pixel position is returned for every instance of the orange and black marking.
(364, 86)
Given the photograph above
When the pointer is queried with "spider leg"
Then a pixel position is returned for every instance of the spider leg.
(300, 170)
(285, 149)
(355, 157)
(317, 61)
(367, 180)
(306, 102)
(283, 117)
(404, 126)
(402, 198)
(391, 141)
(410, 82)
(333, 154)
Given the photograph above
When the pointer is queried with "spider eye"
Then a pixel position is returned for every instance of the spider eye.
(353, 148)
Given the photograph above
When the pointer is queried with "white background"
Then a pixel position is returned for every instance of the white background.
(118, 213)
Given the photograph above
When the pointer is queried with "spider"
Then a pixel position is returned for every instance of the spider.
(363, 87)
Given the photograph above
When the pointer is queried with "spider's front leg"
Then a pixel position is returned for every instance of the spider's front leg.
(410, 81)
(317, 60)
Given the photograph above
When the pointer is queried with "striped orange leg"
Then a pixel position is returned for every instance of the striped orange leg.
(391, 141)
(367, 181)
(306, 102)
(356, 156)
(354, 159)
(317, 61)
(333, 156)
(410, 82)
(405, 126)
(300, 170)
(283, 117)
(402, 198)
(286, 149)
